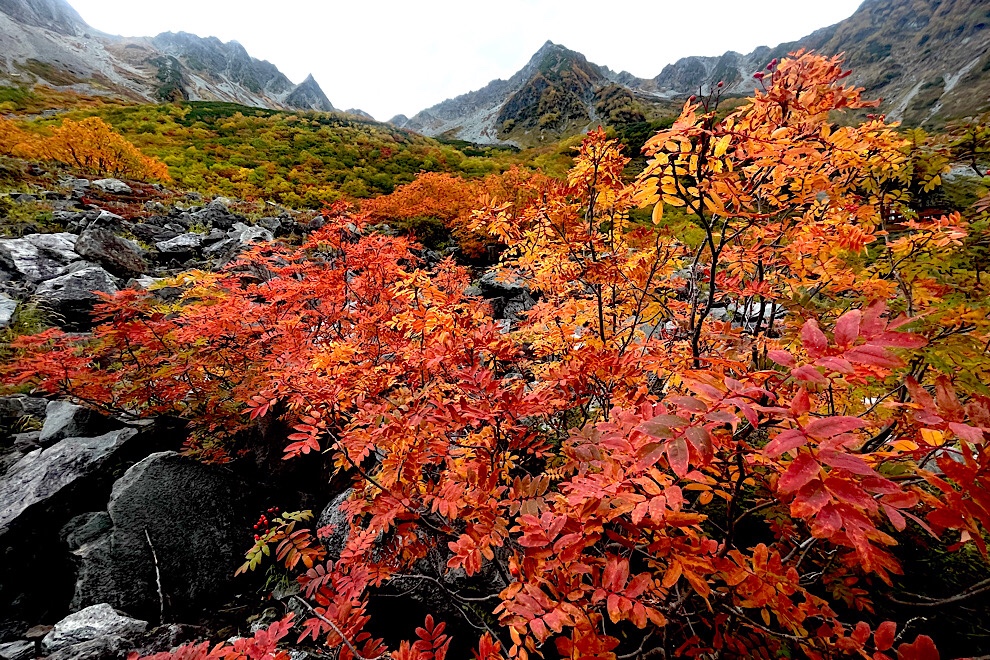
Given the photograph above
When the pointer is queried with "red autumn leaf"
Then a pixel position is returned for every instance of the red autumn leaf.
(677, 455)
(785, 441)
(847, 328)
(884, 636)
(783, 358)
(923, 648)
(809, 374)
(844, 461)
(829, 427)
(813, 339)
(874, 356)
(802, 470)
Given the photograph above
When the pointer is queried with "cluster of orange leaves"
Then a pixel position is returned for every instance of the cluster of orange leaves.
(90, 145)
(625, 468)
(452, 200)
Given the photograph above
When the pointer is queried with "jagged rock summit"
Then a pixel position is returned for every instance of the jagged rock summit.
(308, 94)
(558, 91)
(48, 42)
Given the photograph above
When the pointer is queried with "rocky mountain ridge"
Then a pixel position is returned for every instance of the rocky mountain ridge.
(558, 91)
(47, 42)
(928, 60)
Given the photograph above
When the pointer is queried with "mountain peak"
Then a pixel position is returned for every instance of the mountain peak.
(545, 50)
(308, 95)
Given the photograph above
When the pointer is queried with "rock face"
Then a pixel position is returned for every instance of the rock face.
(98, 623)
(21, 650)
(7, 308)
(118, 255)
(174, 521)
(309, 96)
(71, 297)
(67, 420)
(53, 15)
(45, 478)
(333, 517)
(38, 257)
(184, 244)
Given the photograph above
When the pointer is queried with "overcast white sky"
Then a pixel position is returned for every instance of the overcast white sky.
(401, 56)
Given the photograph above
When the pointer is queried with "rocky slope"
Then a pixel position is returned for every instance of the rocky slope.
(929, 60)
(558, 92)
(47, 42)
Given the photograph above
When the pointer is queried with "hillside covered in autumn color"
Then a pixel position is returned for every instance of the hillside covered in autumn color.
(707, 380)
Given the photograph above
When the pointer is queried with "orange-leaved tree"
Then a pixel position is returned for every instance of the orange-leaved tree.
(90, 144)
(706, 445)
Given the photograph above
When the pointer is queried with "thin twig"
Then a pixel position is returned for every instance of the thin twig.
(975, 590)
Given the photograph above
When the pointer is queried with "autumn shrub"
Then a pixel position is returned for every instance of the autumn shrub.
(452, 200)
(93, 146)
(710, 449)
(90, 145)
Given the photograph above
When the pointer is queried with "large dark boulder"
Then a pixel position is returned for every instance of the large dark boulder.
(118, 255)
(38, 496)
(217, 215)
(151, 233)
(178, 531)
(71, 297)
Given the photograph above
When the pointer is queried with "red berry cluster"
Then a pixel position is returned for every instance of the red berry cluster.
(263, 521)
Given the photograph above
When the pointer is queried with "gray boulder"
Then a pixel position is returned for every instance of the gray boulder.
(118, 255)
(46, 478)
(7, 308)
(183, 244)
(224, 248)
(71, 296)
(256, 235)
(106, 219)
(217, 215)
(97, 622)
(22, 405)
(178, 530)
(150, 233)
(247, 235)
(38, 257)
(85, 528)
(108, 647)
(493, 286)
(115, 186)
(69, 182)
(337, 520)
(21, 650)
(67, 420)
(516, 307)
(274, 225)
(26, 442)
